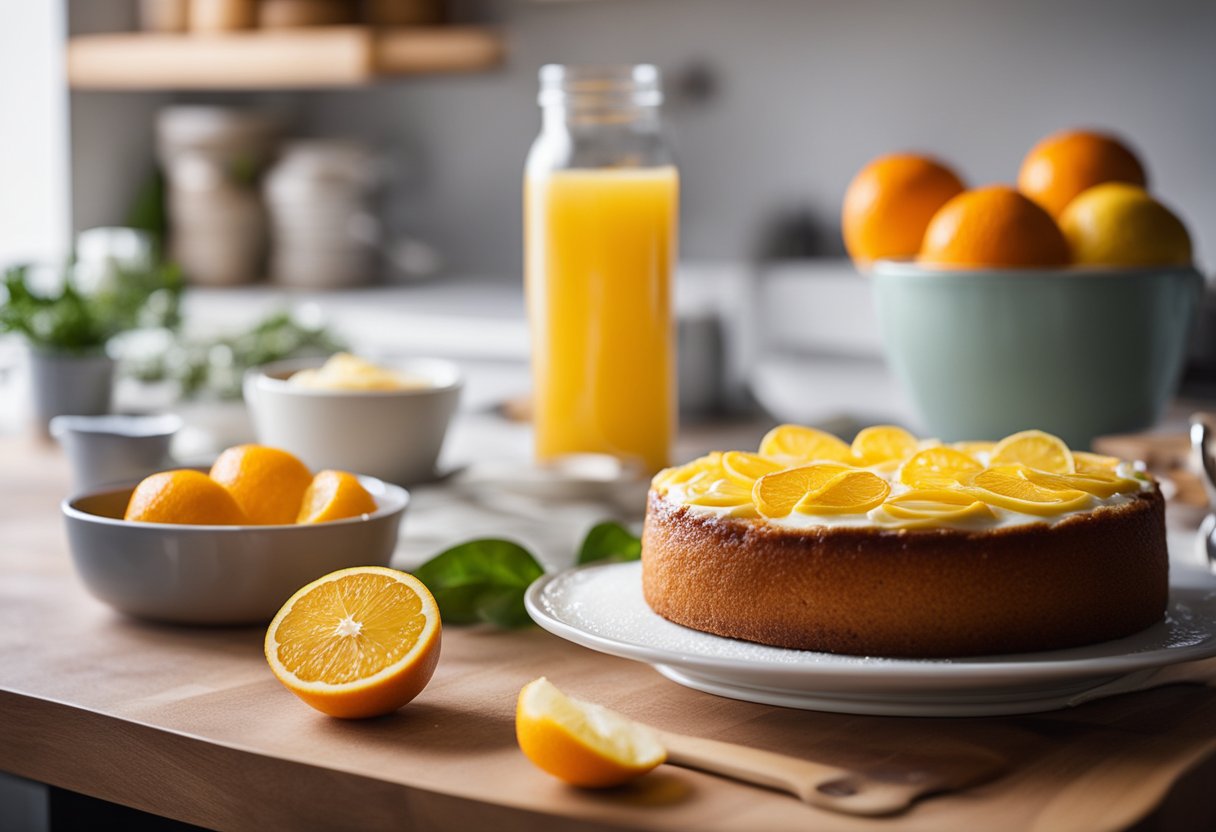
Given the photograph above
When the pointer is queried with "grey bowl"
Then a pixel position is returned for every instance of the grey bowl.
(1078, 352)
(217, 575)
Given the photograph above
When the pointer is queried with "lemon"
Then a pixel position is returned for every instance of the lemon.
(881, 443)
(1094, 463)
(1034, 449)
(1117, 224)
(805, 445)
(776, 494)
(1102, 484)
(938, 467)
(849, 492)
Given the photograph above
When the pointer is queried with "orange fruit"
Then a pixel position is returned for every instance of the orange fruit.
(582, 743)
(356, 643)
(889, 204)
(183, 496)
(1007, 490)
(1116, 224)
(936, 504)
(335, 495)
(993, 226)
(744, 469)
(1064, 164)
(267, 483)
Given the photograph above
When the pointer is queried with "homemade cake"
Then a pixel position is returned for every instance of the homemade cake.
(895, 546)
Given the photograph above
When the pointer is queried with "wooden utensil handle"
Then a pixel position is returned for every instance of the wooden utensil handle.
(818, 784)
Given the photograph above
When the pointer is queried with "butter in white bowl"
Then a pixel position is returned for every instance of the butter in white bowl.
(386, 420)
(350, 373)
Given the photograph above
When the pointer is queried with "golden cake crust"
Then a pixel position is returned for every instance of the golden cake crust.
(1090, 577)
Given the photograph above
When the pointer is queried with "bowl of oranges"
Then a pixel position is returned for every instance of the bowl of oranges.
(1064, 302)
(228, 545)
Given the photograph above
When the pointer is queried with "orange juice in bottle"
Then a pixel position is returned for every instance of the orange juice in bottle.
(601, 198)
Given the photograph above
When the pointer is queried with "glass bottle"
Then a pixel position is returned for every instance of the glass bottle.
(601, 214)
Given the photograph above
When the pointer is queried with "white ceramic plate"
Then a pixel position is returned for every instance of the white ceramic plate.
(601, 607)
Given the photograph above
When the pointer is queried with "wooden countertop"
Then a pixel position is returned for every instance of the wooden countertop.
(189, 723)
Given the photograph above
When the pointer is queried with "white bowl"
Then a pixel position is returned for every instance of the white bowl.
(190, 574)
(395, 435)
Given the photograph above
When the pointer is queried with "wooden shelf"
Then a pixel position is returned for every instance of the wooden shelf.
(301, 58)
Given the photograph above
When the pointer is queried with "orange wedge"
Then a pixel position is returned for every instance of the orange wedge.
(356, 643)
(938, 467)
(805, 445)
(1034, 449)
(335, 495)
(881, 443)
(849, 492)
(1009, 491)
(776, 494)
(580, 742)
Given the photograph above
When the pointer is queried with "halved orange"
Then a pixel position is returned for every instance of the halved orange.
(582, 743)
(356, 643)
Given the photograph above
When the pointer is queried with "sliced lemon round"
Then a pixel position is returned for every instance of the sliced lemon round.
(1009, 491)
(582, 743)
(938, 504)
(849, 492)
(1034, 449)
(1094, 463)
(776, 494)
(745, 468)
(939, 467)
(881, 443)
(805, 445)
(974, 448)
(1102, 484)
(681, 474)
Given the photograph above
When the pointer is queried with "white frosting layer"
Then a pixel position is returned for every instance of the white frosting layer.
(1002, 517)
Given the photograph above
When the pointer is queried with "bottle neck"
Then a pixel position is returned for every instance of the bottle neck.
(574, 117)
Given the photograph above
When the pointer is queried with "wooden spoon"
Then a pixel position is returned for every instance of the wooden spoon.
(881, 790)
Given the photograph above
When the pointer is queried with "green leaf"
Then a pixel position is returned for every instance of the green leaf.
(481, 580)
(609, 541)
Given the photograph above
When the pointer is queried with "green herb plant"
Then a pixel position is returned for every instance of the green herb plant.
(67, 320)
(485, 580)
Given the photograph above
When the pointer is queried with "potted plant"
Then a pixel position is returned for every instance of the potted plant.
(67, 327)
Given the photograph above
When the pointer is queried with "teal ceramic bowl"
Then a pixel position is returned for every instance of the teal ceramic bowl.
(1077, 352)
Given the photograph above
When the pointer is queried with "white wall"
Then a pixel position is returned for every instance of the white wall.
(34, 196)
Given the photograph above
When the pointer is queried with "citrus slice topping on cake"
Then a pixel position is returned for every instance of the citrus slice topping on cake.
(882, 443)
(744, 468)
(1034, 449)
(805, 444)
(938, 467)
(776, 494)
(849, 492)
(1005, 489)
(936, 504)
(1099, 483)
(1094, 463)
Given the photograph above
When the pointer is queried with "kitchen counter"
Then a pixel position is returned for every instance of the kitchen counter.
(189, 723)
